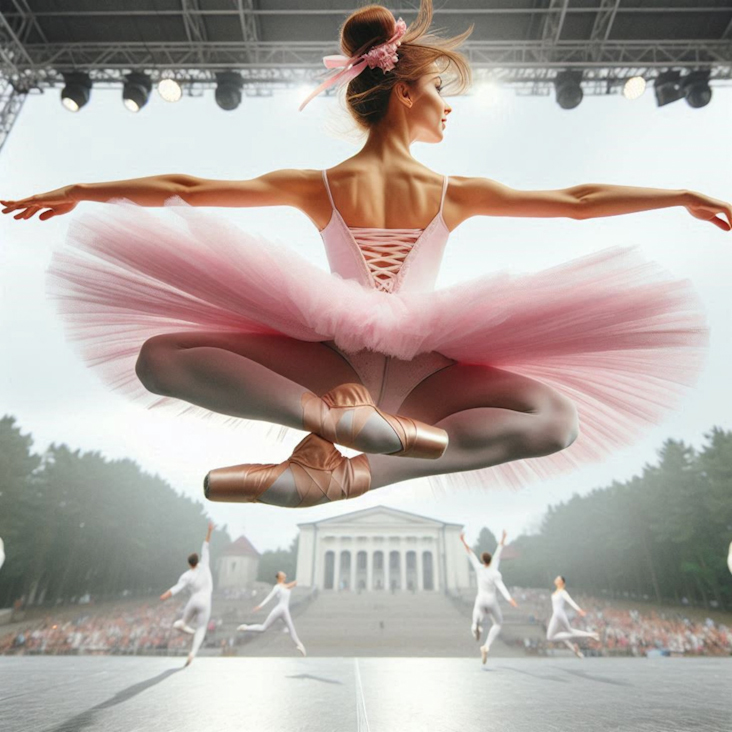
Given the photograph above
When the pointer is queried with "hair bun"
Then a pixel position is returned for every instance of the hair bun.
(365, 28)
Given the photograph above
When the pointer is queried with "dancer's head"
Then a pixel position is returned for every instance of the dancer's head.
(559, 582)
(280, 576)
(407, 96)
(193, 559)
(486, 558)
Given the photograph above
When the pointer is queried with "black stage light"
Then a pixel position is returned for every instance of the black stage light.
(568, 89)
(228, 90)
(667, 87)
(136, 91)
(697, 91)
(76, 91)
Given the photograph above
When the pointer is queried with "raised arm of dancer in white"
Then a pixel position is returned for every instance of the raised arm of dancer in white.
(281, 611)
(486, 603)
(199, 581)
(559, 628)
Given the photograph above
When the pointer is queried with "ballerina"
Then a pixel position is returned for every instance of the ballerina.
(486, 601)
(559, 628)
(281, 611)
(479, 377)
(199, 582)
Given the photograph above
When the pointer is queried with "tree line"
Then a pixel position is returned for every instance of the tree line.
(76, 523)
(663, 534)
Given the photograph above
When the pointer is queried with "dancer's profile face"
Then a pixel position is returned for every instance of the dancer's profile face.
(281, 576)
(558, 583)
(429, 109)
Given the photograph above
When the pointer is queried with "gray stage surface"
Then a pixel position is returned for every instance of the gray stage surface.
(136, 694)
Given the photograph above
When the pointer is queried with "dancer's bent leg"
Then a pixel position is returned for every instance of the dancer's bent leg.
(491, 416)
(254, 376)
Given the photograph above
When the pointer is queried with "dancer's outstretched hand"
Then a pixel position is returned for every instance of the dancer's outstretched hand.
(513, 602)
(255, 609)
(55, 202)
(706, 208)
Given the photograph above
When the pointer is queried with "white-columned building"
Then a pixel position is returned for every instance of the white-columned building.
(238, 565)
(382, 548)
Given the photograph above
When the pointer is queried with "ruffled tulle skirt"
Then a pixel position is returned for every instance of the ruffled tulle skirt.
(610, 330)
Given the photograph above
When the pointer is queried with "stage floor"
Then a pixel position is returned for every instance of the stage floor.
(137, 694)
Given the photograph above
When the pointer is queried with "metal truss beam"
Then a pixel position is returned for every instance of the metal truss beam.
(555, 7)
(219, 56)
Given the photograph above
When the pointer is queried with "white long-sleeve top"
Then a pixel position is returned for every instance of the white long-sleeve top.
(281, 592)
(198, 578)
(558, 600)
(489, 578)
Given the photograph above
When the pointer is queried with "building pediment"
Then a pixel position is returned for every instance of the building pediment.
(379, 517)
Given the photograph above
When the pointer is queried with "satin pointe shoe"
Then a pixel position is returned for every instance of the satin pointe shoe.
(328, 416)
(318, 474)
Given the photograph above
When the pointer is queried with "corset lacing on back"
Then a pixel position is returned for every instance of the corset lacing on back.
(384, 251)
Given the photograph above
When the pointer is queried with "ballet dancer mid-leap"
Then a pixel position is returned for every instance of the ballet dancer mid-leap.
(281, 611)
(198, 608)
(486, 601)
(559, 628)
(422, 382)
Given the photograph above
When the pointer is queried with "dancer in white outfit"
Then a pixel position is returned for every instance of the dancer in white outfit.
(281, 611)
(2, 553)
(559, 628)
(729, 557)
(486, 601)
(199, 582)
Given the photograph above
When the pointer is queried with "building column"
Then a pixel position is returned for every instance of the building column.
(403, 561)
(387, 570)
(337, 569)
(420, 577)
(369, 569)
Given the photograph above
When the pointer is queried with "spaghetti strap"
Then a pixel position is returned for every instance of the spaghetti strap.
(327, 188)
(444, 191)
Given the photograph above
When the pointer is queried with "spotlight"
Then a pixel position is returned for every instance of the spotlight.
(169, 89)
(136, 91)
(667, 87)
(568, 89)
(76, 91)
(634, 87)
(228, 90)
(697, 91)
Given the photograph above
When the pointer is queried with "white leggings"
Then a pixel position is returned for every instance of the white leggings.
(488, 605)
(198, 607)
(553, 632)
(278, 613)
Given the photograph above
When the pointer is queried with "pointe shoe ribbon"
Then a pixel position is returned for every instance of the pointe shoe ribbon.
(323, 416)
(320, 472)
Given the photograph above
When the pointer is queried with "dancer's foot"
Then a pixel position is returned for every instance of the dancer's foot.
(348, 416)
(183, 628)
(189, 660)
(477, 632)
(300, 647)
(315, 473)
(243, 626)
(577, 651)
(484, 653)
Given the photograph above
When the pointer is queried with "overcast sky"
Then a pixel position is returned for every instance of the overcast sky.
(524, 142)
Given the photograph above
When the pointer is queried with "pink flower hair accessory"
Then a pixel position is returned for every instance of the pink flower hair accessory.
(383, 56)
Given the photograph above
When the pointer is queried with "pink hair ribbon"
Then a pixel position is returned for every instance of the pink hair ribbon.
(383, 55)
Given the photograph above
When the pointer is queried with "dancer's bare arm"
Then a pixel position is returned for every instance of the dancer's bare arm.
(278, 188)
(485, 197)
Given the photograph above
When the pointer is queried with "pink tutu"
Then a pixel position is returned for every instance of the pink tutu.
(611, 331)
